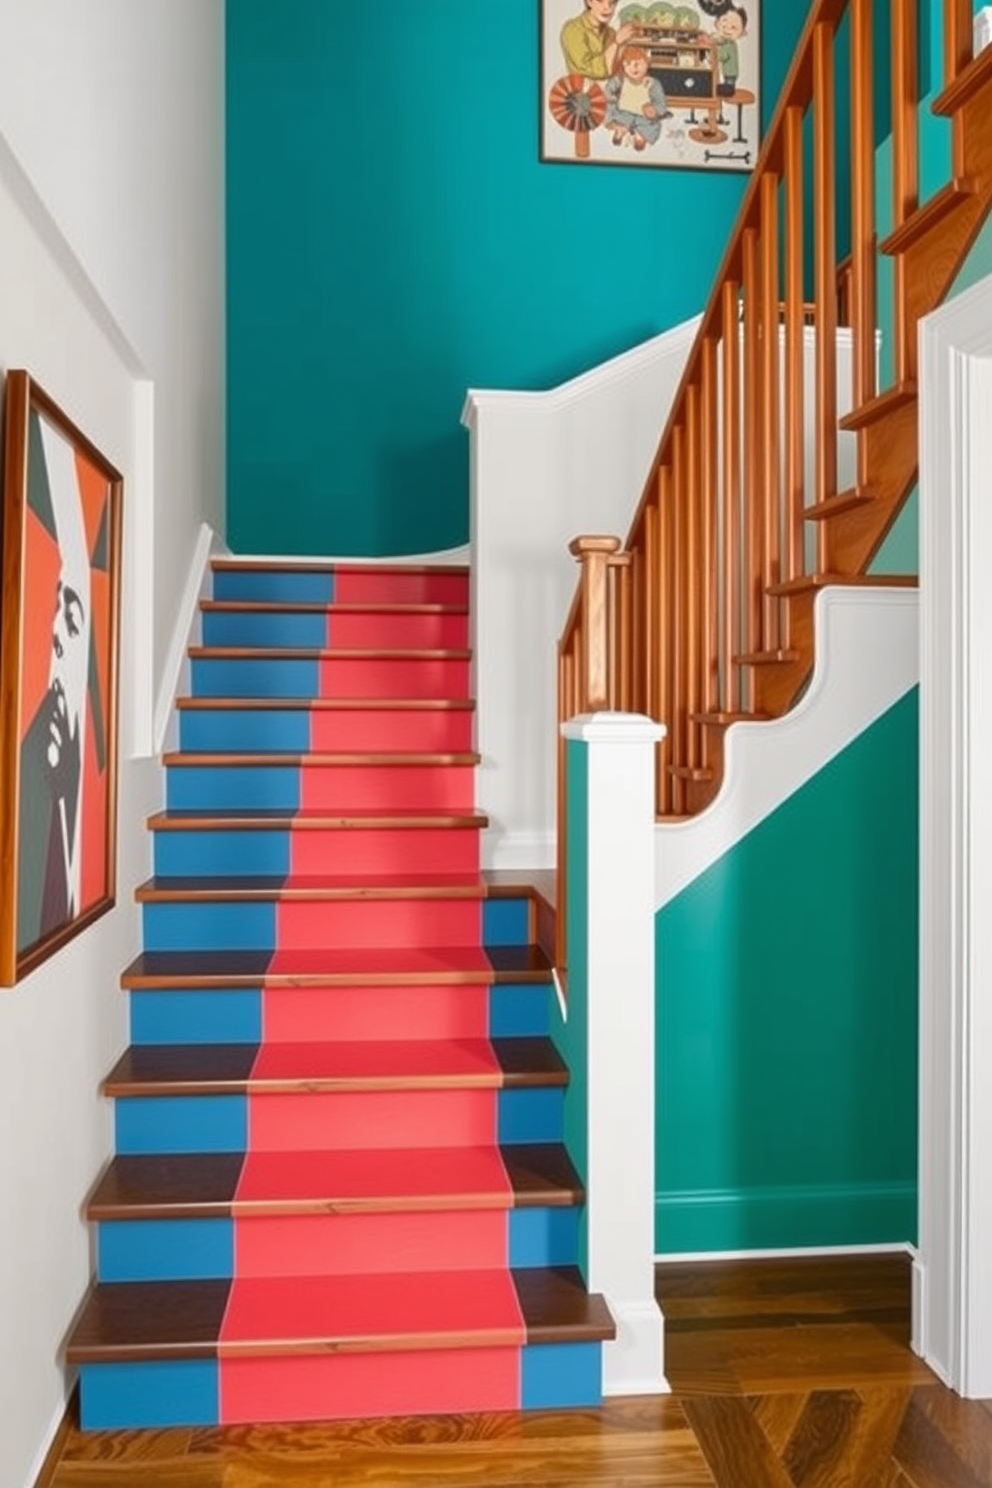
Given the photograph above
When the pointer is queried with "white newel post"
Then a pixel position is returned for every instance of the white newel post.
(617, 904)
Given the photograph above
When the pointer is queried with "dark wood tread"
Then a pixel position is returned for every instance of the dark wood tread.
(298, 607)
(139, 1322)
(926, 217)
(837, 506)
(879, 407)
(205, 1185)
(326, 653)
(312, 1068)
(266, 888)
(271, 565)
(972, 78)
(193, 759)
(302, 821)
(725, 720)
(375, 967)
(807, 582)
(765, 658)
(340, 704)
(698, 774)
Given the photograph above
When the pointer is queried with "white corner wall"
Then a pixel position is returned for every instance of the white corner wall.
(543, 468)
(111, 295)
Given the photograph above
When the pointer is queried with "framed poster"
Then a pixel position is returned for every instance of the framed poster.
(60, 562)
(651, 84)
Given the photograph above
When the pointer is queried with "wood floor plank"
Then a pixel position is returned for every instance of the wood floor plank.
(843, 1439)
(966, 1424)
(777, 1416)
(926, 1456)
(734, 1445)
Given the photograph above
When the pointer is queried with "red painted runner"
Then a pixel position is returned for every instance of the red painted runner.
(291, 1014)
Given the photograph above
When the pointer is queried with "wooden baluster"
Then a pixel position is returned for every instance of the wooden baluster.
(957, 38)
(625, 630)
(905, 162)
(731, 413)
(771, 504)
(680, 588)
(709, 493)
(666, 636)
(651, 576)
(693, 562)
(794, 391)
(824, 273)
(592, 647)
(637, 701)
(863, 315)
(752, 566)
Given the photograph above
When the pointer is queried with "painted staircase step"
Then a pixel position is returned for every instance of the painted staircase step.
(274, 819)
(334, 626)
(145, 1321)
(199, 759)
(319, 1068)
(320, 784)
(371, 967)
(326, 724)
(341, 583)
(165, 889)
(223, 1185)
(235, 672)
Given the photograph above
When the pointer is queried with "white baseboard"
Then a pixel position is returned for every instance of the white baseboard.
(524, 850)
(634, 1362)
(785, 1253)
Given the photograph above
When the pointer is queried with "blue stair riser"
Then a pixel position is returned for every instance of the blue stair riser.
(235, 1016)
(221, 853)
(146, 1125)
(205, 1249)
(193, 786)
(232, 788)
(158, 1394)
(244, 730)
(261, 628)
(256, 677)
(273, 586)
(184, 925)
(308, 677)
(286, 629)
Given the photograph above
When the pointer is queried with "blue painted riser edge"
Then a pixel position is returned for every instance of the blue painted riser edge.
(204, 1249)
(232, 787)
(219, 1123)
(240, 730)
(255, 678)
(221, 854)
(234, 1016)
(274, 586)
(186, 1392)
(264, 629)
(183, 926)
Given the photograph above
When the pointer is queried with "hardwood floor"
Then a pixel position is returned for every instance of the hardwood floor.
(785, 1374)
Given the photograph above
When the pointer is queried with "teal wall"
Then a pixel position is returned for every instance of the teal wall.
(393, 240)
(786, 1021)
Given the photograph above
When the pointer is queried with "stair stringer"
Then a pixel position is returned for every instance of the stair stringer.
(867, 658)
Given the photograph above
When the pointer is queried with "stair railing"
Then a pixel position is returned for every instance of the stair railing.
(764, 488)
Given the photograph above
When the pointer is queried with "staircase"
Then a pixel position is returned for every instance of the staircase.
(339, 1186)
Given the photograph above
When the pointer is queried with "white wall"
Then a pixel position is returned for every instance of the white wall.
(115, 111)
(545, 467)
(113, 299)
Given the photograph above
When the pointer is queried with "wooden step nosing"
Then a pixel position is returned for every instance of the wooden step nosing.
(945, 201)
(892, 400)
(837, 506)
(766, 658)
(969, 81)
(247, 821)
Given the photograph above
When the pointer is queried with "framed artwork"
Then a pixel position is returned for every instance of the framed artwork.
(59, 602)
(658, 83)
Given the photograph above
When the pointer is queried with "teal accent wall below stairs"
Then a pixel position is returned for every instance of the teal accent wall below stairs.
(787, 1018)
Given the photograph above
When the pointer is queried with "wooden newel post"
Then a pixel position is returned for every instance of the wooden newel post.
(594, 554)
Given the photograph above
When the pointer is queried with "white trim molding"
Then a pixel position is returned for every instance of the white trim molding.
(952, 1323)
(620, 1007)
(185, 633)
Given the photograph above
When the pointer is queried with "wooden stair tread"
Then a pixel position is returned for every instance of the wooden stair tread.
(925, 217)
(972, 78)
(326, 653)
(837, 506)
(229, 1069)
(266, 888)
(193, 759)
(331, 607)
(340, 704)
(519, 963)
(368, 967)
(881, 406)
(725, 720)
(144, 1321)
(208, 1185)
(699, 774)
(276, 819)
(275, 565)
(765, 658)
(807, 582)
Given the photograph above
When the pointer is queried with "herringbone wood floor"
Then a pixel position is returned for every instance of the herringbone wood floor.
(785, 1374)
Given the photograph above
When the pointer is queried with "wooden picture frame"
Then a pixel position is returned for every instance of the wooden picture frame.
(59, 617)
(651, 83)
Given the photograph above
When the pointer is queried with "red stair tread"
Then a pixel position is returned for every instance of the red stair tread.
(421, 1310)
(414, 1064)
(348, 1181)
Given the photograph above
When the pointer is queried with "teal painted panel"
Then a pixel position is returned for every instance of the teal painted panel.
(787, 992)
(374, 282)
(758, 1218)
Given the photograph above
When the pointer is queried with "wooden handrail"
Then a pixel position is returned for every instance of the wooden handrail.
(760, 491)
